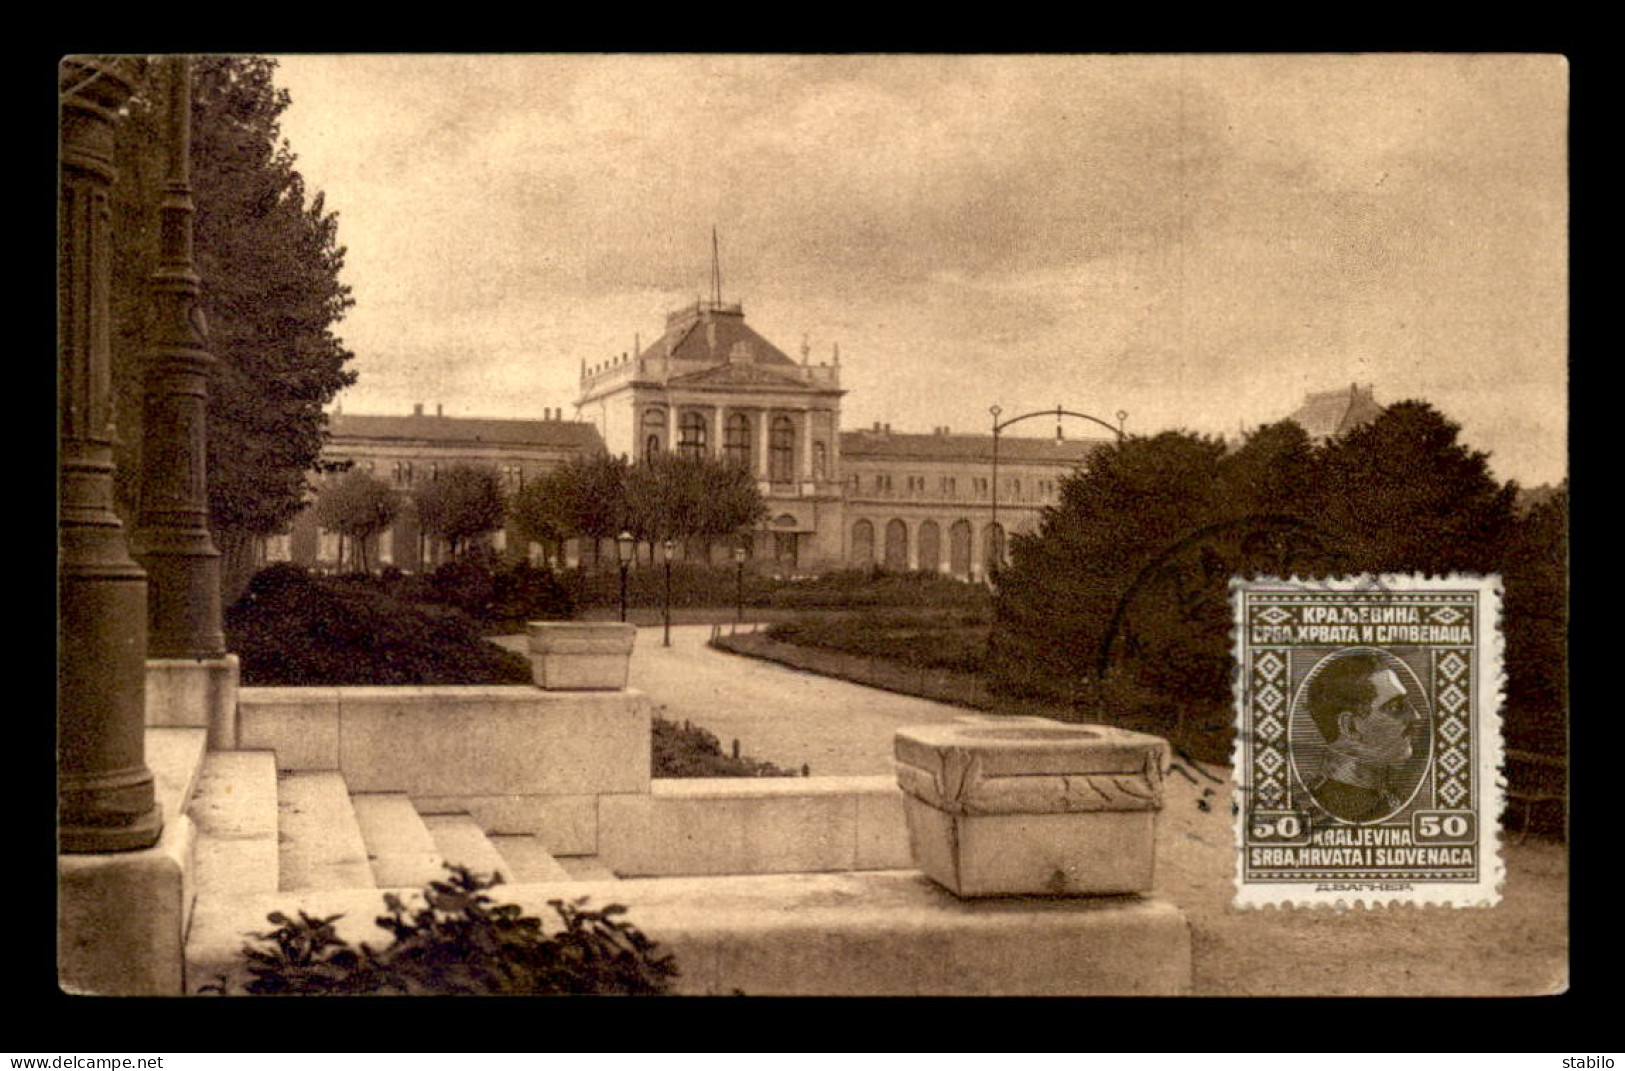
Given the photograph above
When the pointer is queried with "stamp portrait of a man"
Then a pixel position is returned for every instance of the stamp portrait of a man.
(1366, 717)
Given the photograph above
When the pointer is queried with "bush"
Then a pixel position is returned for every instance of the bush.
(693, 585)
(467, 584)
(697, 584)
(688, 751)
(474, 585)
(459, 944)
(524, 593)
(293, 628)
(851, 588)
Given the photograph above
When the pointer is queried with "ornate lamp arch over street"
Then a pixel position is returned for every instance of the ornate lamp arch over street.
(996, 552)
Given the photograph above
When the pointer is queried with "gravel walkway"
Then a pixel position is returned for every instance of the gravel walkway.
(1519, 947)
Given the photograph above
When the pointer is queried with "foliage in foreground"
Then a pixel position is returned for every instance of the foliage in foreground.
(295, 629)
(459, 942)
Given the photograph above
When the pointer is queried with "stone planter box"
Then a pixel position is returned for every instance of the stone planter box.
(1031, 808)
(580, 655)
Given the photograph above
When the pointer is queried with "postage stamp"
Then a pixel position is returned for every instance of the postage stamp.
(1368, 741)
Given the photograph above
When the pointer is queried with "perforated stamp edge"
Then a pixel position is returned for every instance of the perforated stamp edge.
(1490, 753)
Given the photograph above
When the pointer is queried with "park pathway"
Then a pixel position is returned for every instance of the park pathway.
(788, 717)
(778, 714)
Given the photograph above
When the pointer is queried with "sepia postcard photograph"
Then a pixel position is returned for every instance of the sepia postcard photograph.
(813, 525)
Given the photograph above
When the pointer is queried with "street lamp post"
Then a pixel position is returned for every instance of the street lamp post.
(666, 549)
(624, 546)
(739, 584)
(993, 527)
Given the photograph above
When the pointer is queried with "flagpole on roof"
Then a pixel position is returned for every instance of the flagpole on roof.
(716, 269)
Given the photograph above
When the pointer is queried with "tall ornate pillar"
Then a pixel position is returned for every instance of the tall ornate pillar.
(172, 533)
(105, 794)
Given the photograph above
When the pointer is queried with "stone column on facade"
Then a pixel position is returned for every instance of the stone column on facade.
(806, 444)
(719, 445)
(105, 792)
(913, 533)
(172, 539)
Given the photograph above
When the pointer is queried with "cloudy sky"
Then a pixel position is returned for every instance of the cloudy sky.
(1195, 240)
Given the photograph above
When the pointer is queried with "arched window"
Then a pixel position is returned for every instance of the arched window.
(691, 435)
(781, 450)
(959, 549)
(736, 440)
(929, 549)
(897, 546)
(863, 544)
(654, 431)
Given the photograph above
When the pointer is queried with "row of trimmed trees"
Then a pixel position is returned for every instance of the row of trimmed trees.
(665, 496)
(591, 498)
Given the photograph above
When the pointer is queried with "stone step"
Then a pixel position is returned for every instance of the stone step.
(462, 842)
(234, 808)
(587, 868)
(400, 846)
(321, 843)
(528, 859)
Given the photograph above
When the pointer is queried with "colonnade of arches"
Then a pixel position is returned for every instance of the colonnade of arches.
(958, 548)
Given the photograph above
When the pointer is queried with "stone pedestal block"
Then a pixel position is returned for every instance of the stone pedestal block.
(1031, 808)
(122, 917)
(580, 655)
(195, 693)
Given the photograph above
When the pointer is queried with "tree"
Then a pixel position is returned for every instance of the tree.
(269, 261)
(358, 506)
(730, 500)
(1535, 575)
(464, 502)
(1276, 468)
(1123, 591)
(583, 498)
(1070, 580)
(1407, 497)
(669, 496)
